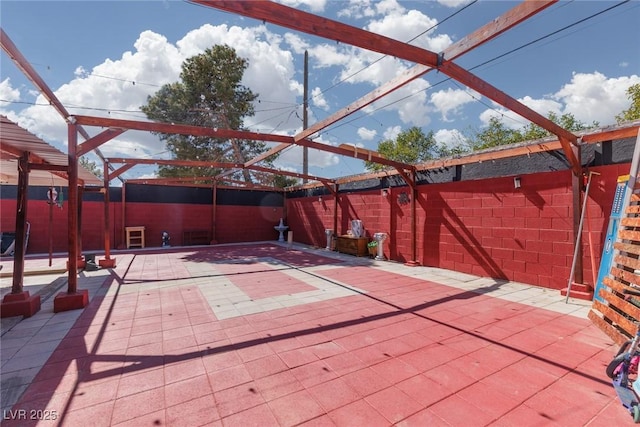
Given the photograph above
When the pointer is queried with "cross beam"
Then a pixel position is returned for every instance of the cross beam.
(298, 20)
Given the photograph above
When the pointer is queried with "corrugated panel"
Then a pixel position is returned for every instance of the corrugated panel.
(15, 140)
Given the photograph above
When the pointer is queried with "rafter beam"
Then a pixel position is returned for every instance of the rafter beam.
(23, 65)
(306, 22)
(173, 162)
(122, 169)
(169, 128)
(482, 35)
(303, 21)
(288, 173)
(98, 140)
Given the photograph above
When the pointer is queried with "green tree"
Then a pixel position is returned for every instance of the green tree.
(567, 121)
(495, 134)
(90, 166)
(410, 146)
(209, 94)
(633, 112)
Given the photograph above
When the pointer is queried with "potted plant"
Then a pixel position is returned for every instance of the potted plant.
(372, 247)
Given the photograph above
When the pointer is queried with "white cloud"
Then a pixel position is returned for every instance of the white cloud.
(406, 25)
(450, 138)
(452, 100)
(589, 97)
(454, 3)
(125, 83)
(8, 93)
(314, 5)
(367, 134)
(392, 132)
(317, 99)
(410, 102)
(595, 97)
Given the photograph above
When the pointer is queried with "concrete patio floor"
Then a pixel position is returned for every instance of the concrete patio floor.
(269, 335)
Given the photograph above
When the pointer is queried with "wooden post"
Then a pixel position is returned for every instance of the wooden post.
(213, 212)
(577, 184)
(414, 194)
(72, 299)
(335, 211)
(72, 286)
(21, 223)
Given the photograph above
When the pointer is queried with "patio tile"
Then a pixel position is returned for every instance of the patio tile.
(424, 390)
(366, 381)
(357, 414)
(189, 389)
(393, 404)
(298, 357)
(237, 399)
(313, 373)
(278, 385)
(100, 415)
(157, 353)
(182, 370)
(195, 412)
(395, 370)
(458, 412)
(89, 394)
(265, 366)
(135, 405)
(155, 418)
(333, 394)
(295, 408)
(139, 382)
(229, 377)
(260, 415)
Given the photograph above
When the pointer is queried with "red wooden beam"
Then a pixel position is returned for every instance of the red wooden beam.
(98, 140)
(288, 173)
(334, 30)
(117, 172)
(174, 162)
(21, 62)
(303, 21)
(230, 133)
(487, 32)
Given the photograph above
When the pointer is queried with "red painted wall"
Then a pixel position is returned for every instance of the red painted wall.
(234, 223)
(485, 227)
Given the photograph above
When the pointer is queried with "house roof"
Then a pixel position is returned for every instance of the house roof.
(15, 141)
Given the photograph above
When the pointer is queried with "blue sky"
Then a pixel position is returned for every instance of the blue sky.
(105, 58)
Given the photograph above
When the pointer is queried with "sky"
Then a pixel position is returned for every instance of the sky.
(104, 58)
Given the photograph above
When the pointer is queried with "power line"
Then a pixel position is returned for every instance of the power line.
(485, 63)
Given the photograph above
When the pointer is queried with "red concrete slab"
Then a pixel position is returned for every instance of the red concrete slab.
(402, 353)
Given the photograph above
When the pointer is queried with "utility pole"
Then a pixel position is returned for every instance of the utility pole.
(305, 122)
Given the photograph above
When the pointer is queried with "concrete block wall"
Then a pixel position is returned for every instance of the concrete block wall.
(484, 227)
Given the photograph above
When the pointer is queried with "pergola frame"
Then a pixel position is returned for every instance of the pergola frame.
(297, 20)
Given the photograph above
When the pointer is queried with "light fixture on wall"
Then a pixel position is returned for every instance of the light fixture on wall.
(385, 192)
(517, 183)
(320, 199)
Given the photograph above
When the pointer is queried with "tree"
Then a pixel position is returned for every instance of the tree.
(497, 134)
(209, 94)
(633, 112)
(410, 146)
(90, 166)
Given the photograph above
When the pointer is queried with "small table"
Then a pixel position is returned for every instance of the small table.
(135, 237)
